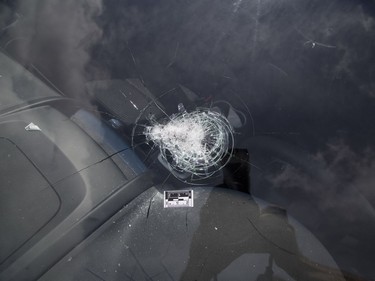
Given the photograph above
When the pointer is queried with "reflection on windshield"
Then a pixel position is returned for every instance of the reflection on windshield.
(255, 241)
(292, 83)
(18, 86)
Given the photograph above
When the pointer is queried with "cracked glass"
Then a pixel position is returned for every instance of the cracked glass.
(187, 140)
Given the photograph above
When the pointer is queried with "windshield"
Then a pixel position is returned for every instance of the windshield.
(272, 99)
(18, 85)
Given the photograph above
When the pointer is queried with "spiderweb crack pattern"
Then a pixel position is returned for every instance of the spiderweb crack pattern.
(197, 142)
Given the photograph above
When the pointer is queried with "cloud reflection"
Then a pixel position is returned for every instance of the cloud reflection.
(339, 208)
(55, 37)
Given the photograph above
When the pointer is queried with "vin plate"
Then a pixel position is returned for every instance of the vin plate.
(178, 198)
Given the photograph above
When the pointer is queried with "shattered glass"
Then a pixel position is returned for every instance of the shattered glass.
(261, 111)
(196, 142)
